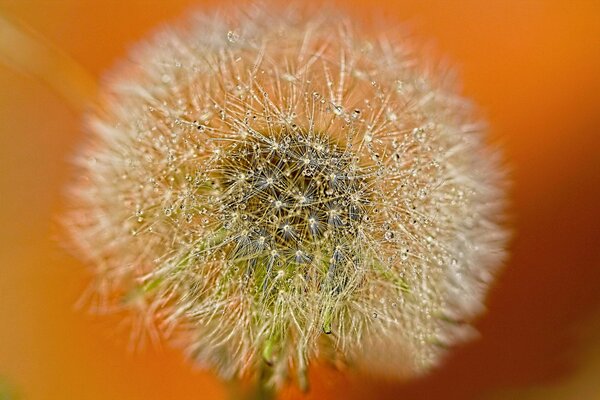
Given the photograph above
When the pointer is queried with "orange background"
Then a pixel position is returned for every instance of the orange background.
(532, 66)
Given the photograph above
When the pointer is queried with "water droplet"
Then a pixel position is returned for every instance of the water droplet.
(232, 36)
(404, 255)
(419, 134)
(399, 86)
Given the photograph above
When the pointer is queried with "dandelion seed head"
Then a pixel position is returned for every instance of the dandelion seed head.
(277, 187)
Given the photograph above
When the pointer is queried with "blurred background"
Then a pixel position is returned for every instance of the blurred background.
(534, 69)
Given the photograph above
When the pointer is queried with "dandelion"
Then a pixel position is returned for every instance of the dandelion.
(273, 187)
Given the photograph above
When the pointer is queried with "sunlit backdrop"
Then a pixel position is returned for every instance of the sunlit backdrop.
(534, 69)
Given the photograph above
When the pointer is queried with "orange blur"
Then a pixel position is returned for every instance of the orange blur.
(532, 66)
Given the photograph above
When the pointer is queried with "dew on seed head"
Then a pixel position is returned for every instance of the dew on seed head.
(419, 134)
(232, 36)
(271, 189)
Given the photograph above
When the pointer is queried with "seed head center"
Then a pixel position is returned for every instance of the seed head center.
(295, 195)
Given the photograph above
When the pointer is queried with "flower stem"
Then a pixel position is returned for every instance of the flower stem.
(261, 389)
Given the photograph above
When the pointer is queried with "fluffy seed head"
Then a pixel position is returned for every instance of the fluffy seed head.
(269, 187)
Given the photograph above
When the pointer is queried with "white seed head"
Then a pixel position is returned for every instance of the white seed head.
(276, 186)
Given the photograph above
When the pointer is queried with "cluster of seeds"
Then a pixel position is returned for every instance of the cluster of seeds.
(272, 188)
(292, 200)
